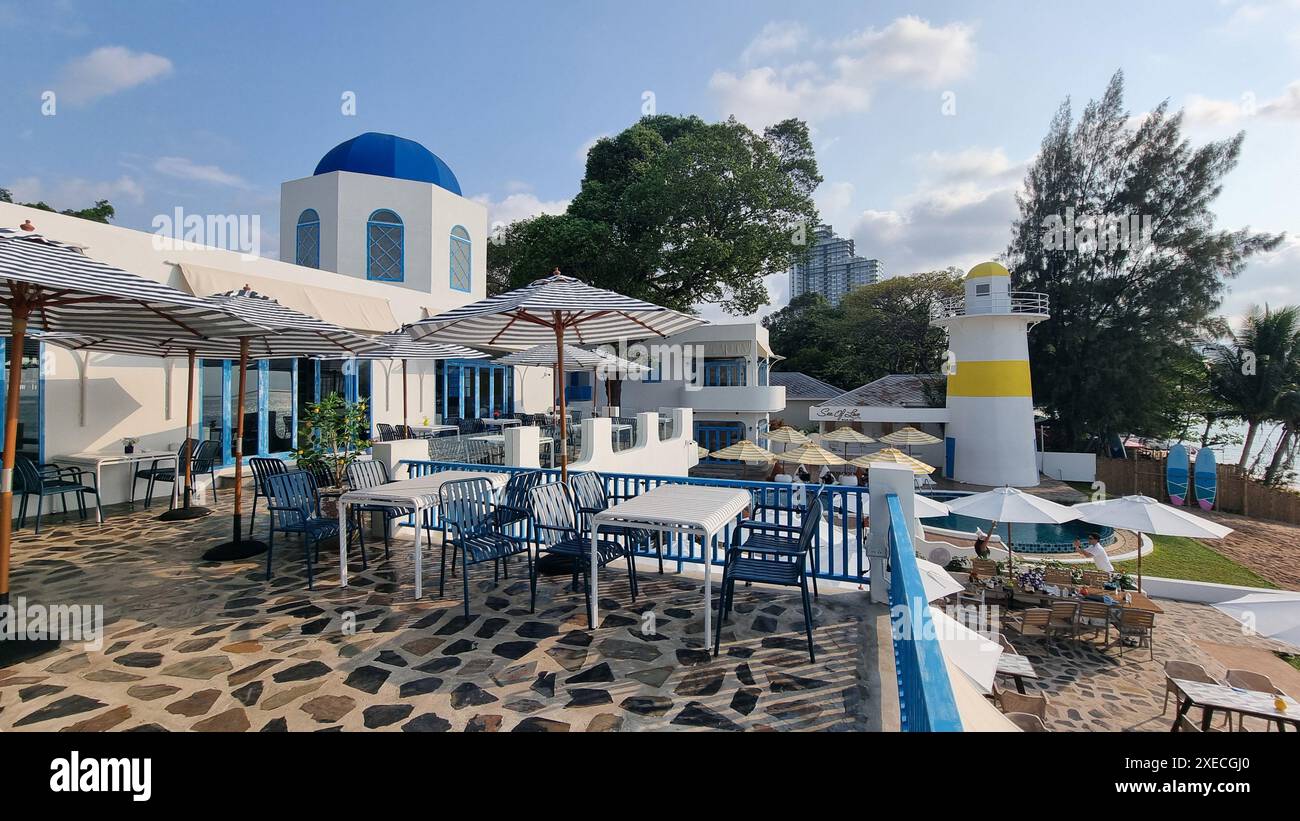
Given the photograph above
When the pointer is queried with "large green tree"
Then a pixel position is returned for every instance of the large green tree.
(1256, 366)
(1124, 309)
(676, 211)
(878, 329)
(101, 211)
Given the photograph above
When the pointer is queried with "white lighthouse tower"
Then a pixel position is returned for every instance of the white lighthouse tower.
(990, 431)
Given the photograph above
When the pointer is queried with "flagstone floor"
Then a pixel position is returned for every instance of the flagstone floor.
(202, 646)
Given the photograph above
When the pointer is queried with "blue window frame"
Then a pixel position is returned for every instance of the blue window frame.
(462, 272)
(385, 247)
(474, 389)
(271, 413)
(31, 396)
(724, 372)
(307, 241)
(718, 435)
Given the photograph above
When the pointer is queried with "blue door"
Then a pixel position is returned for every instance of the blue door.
(717, 436)
(949, 456)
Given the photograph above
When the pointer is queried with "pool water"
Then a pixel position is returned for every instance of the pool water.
(1026, 538)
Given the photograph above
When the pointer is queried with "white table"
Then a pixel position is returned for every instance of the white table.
(688, 509)
(500, 422)
(500, 439)
(97, 460)
(419, 494)
(1211, 697)
(433, 430)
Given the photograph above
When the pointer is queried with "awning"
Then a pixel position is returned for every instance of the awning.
(368, 314)
(734, 348)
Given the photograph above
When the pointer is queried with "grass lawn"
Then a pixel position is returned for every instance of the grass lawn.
(1177, 557)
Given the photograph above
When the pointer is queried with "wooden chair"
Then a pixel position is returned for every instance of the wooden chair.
(1033, 622)
(1095, 578)
(1093, 618)
(1186, 725)
(1249, 680)
(1058, 577)
(1009, 701)
(1027, 723)
(1139, 624)
(1063, 619)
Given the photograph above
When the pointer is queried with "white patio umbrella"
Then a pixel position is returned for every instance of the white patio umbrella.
(574, 359)
(744, 451)
(1142, 514)
(1009, 504)
(966, 649)
(399, 345)
(549, 310)
(1273, 615)
(938, 583)
(55, 287)
(293, 334)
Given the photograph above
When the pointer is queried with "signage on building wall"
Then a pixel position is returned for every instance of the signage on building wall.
(836, 414)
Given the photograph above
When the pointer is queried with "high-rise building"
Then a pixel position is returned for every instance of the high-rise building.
(832, 269)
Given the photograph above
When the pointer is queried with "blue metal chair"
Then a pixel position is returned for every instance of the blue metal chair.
(751, 562)
(774, 536)
(373, 473)
(513, 508)
(205, 461)
(53, 480)
(295, 508)
(590, 496)
(154, 473)
(263, 468)
(557, 525)
(468, 510)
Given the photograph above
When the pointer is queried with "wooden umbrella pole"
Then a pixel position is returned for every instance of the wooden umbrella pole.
(189, 427)
(403, 397)
(564, 408)
(239, 437)
(19, 311)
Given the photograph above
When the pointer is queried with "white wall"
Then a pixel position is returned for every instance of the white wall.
(674, 456)
(1068, 467)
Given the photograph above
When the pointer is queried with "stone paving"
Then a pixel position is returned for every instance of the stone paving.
(202, 646)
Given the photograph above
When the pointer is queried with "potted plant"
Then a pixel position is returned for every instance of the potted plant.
(332, 433)
(129, 443)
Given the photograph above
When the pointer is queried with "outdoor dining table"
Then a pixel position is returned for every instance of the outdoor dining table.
(433, 430)
(691, 510)
(500, 439)
(1211, 697)
(1138, 601)
(419, 494)
(98, 460)
(1017, 668)
(500, 422)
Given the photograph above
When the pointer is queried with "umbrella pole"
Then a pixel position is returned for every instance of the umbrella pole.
(20, 308)
(185, 511)
(1011, 561)
(238, 548)
(1139, 562)
(403, 397)
(564, 407)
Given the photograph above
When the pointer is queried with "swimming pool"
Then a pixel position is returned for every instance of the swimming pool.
(1027, 538)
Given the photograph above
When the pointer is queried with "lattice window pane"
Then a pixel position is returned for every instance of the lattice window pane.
(384, 249)
(461, 272)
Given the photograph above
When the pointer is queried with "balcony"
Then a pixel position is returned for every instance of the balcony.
(739, 398)
(1030, 303)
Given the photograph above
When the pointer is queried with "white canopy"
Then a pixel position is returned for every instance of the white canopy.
(938, 583)
(1009, 504)
(970, 652)
(1146, 515)
(1273, 615)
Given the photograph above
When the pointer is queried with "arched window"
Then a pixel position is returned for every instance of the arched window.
(307, 247)
(384, 247)
(462, 275)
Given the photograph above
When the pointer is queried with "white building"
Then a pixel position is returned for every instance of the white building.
(380, 236)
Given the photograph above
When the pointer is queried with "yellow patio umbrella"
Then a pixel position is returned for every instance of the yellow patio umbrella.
(909, 436)
(811, 454)
(893, 456)
(787, 435)
(848, 436)
(745, 451)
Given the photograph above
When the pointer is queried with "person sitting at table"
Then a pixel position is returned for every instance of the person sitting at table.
(1096, 552)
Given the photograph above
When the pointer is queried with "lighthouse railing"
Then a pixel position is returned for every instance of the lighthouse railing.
(1016, 302)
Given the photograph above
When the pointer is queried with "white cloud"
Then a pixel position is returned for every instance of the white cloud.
(186, 169)
(75, 192)
(1269, 278)
(839, 77)
(108, 70)
(780, 37)
(1207, 111)
(518, 206)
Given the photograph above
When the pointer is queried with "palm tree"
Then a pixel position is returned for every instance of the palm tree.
(1255, 366)
(1288, 410)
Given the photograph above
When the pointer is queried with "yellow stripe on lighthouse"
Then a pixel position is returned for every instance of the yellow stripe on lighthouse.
(995, 378)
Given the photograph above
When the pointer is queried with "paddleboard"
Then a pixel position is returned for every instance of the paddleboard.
(1206, 477)
(1176, 475)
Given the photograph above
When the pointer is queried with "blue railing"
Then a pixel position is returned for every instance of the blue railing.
(840, 541)
(925, 698)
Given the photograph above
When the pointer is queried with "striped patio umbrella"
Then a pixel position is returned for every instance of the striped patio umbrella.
(847, 436)
(744, 451)
(909, 436)
(399, 345)
(554, 309)
(701, 452)
(52, 286)
(787, 435)
(811, 454)
(574, 359)
(893, 456)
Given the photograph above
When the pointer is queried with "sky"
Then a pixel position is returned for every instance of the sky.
(924, 115)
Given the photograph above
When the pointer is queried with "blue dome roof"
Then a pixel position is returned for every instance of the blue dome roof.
(386, 155)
